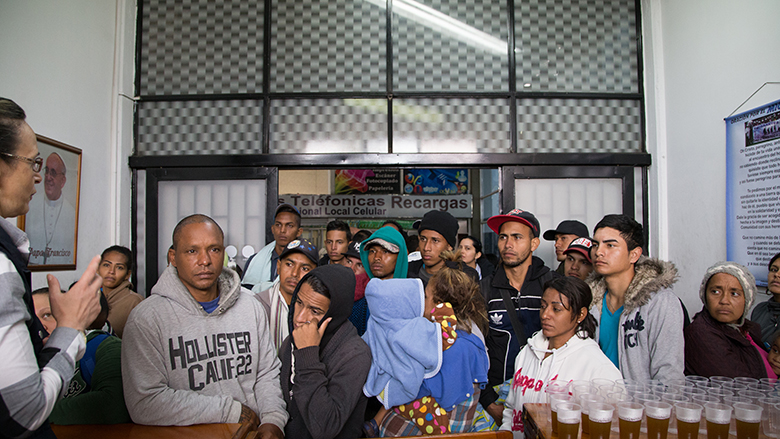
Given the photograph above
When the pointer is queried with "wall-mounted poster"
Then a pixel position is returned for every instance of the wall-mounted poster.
(436, 181)
(753, 188)
(53, 218)
(367, 181)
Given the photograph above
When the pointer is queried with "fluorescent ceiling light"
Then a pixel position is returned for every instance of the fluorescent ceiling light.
(445, 24)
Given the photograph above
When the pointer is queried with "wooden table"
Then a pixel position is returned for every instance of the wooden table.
(135, 431)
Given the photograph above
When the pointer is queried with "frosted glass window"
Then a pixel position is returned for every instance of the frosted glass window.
(554, 200)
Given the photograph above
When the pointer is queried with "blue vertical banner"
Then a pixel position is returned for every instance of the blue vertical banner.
(753, 188)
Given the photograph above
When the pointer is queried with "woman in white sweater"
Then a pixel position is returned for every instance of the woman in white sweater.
(564, 350)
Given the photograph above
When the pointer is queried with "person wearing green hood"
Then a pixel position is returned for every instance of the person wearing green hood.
(384, 254)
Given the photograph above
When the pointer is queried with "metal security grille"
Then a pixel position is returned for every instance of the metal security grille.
(344, 76)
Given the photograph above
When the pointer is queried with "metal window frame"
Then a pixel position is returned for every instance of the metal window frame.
(512, 93)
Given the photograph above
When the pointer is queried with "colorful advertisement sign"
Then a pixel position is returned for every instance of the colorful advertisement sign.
(753, 188)
(436, 181)
(367, 181)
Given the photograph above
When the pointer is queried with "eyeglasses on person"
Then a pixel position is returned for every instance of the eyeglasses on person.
(36, 163)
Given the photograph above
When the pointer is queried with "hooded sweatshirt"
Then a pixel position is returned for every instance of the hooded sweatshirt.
(577, 359)
(183, 366)
(393, 236)
(409, 362)
(322, 384)
(650, 331)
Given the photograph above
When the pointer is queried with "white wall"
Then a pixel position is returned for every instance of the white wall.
(57, 62)
(716, 53)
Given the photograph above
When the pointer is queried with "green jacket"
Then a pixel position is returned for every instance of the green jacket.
(102, 402)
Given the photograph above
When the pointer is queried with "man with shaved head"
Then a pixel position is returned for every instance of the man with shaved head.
(198, 350)
(51, 222)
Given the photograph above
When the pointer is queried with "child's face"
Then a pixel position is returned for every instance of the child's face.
(429, 304)
(774, 356)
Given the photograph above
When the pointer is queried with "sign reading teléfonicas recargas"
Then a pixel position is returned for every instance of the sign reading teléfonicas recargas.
(377, 206)
(753, 188)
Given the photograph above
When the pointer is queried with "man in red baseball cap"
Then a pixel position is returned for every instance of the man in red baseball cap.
(513, 297)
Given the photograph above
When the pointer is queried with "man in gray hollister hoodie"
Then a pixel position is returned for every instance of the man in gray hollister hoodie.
(198, 349)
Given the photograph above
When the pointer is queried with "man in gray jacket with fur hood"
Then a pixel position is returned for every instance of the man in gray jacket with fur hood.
(640, 318)
(198, 350)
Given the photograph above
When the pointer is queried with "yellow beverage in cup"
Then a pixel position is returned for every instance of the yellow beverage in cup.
(748, 420)
(629, 429)
(568, 431)
(747, 430)
(657, 428)
(554, 422)
(568, 420)
(585, 424)
(687, 430)
(599, 430)
(717, 431)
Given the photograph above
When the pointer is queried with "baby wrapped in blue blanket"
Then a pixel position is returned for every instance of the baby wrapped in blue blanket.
(426, 367)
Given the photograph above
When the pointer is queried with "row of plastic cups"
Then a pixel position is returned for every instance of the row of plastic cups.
(653, 417)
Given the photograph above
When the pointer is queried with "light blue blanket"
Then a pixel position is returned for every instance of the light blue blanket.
(405, 346)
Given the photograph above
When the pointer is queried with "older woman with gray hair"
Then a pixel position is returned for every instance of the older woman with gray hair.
(720, 340)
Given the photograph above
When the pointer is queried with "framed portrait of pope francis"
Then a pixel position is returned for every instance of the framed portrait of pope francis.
(52, 223)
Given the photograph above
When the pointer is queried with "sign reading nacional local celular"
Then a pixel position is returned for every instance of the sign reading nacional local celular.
(377, 206)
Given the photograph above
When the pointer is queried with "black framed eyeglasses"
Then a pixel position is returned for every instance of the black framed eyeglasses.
(36, 163)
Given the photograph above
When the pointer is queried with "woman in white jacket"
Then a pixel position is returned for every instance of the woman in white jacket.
(564, 350)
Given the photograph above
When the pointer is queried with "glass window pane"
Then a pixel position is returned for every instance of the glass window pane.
(553, 200)
(201, 47)
(320, 126)
(450, 125)
(577, 45)
(328, 45)
(199, 127)
(450, 45)
(579, 125)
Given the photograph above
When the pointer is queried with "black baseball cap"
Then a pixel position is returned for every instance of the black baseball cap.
(302, 246)
(568, 227)
(353, 251)
(287, 207)
(517, 215)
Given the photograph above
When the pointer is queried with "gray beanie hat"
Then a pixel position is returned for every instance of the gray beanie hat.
(743, 275)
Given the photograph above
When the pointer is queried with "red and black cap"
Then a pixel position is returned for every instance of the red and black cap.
(517, 215)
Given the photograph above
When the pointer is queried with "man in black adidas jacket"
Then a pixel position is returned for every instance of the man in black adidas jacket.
(520, 277)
